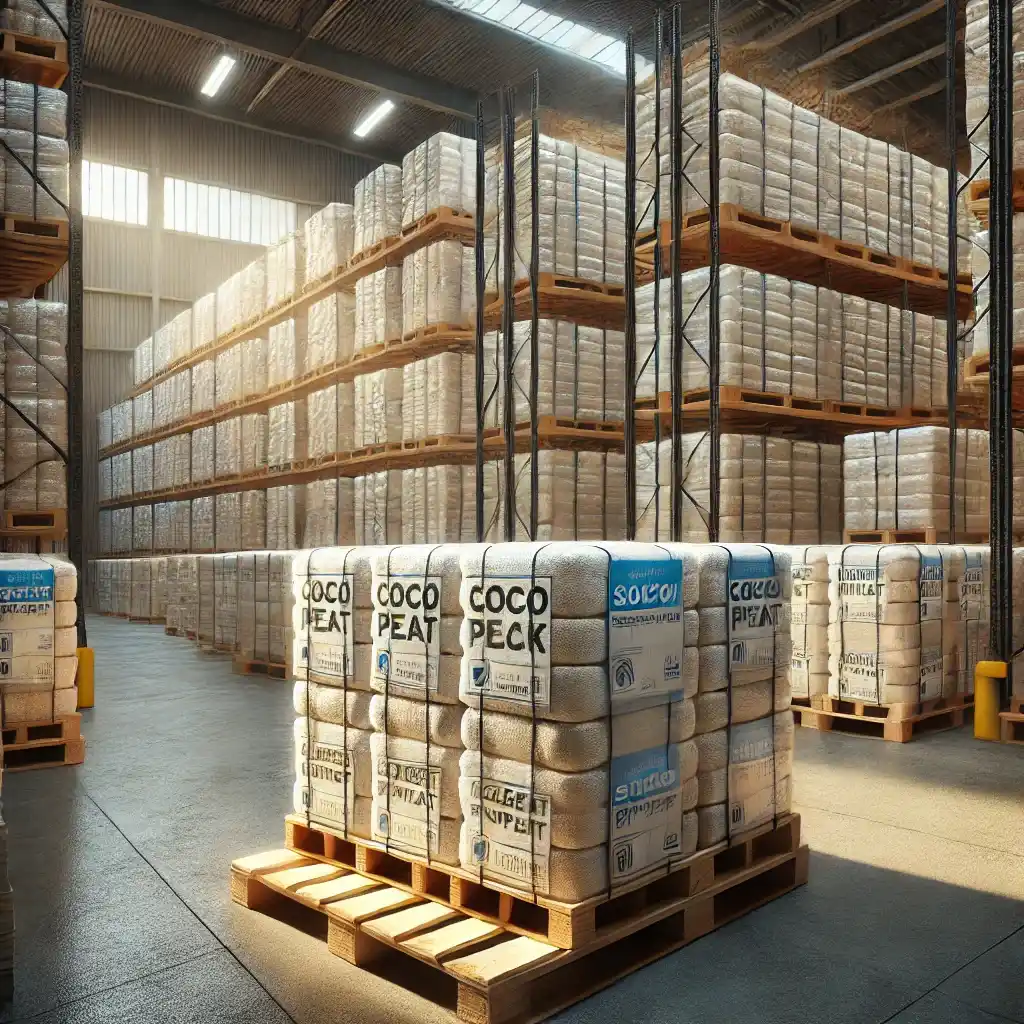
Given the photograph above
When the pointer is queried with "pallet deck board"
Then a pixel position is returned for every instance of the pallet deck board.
(28, 58)
(898, 723)
(500, 977)
(1011, 727)
(774, 246)
(31, 252)
(585, 302)
(43, 744)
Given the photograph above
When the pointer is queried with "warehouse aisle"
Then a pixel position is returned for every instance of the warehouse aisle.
(120, 872)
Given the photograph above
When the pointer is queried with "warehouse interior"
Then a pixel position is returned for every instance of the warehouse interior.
(310, 306)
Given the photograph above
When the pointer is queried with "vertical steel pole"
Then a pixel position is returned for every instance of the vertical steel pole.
(481, 271)
(676, 362)
(952, 193)
(508, 313)
(1001, 327)
(534, 311)
(629, 404)
(714, 265)
(76, 323)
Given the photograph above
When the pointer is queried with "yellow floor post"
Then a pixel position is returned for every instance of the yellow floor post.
(86, 678)
(987, 699)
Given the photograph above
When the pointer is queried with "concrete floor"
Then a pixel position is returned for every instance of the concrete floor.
(913, 913)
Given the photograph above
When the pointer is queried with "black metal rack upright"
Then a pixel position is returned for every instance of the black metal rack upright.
(1001, 331)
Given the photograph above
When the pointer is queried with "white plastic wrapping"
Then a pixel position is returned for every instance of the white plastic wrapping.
(330, 423)
(378, 407)
(329, 520)
(228, 446)
(203, 452)
(329, 235)
(439, 396)
(378, 310)
(286, 351)
(378, 206)
(254, 431)
(285, 513)
(254, 367)
(286, 428)
(286, 265)
(142, 469)
(439, 172)
(228, 373)
(438, 286)
(142, 414)
(203, 527)
(31, 18)
(378, 507)
(143, 362)
(330, 331)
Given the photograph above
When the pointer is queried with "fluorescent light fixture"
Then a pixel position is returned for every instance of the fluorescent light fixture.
(373, 118)
(218, 74)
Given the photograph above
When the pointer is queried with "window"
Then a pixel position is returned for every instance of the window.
(115, 193)
(555, 31)
(215, 212)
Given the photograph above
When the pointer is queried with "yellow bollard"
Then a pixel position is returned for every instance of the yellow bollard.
(987, 699)
(86, 677)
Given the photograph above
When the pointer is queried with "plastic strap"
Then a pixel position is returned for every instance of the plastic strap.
(480, 725)
(533, 730)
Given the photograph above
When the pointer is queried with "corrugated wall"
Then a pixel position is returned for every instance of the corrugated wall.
(138, 277)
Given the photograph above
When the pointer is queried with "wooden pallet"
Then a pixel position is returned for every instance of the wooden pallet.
(979, 193)
(1011, 727)
(750, 411)
(561, 433)
(927, 536)
(976, 367)
(44, 744)
(249, 666)
(493, 975)
(31, 252)
(48, 522)
(566, 925)
(27, 58)
(898, 723)
(589, 303)
(774, 246)
(1016, 705)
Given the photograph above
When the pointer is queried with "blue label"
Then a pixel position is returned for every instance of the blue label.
(644, 774)
(931, 567)
(751, 566)
(643, 585)
(26, 586)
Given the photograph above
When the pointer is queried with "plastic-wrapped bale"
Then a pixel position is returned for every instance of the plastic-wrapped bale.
(163, 465)
(34, 155)
(228, 521)
(415, 711)
(203, 524)
(378, 311)
(105, 531)
(181, 335)
(228, 374)
(35, 470)
(158, 594)
(331, 612)
(32, 18)
(977, 64)
(980, 272)
(328, 522)
(894, 622)
(439, 505)
(744, 727)
(286, 263)
(203, 451)
(286, 434)
(181, 395)
(204, 386)
(285, 514)
(330, 421)
(228, 307)
(438, 286)
(254, 521)
(254, 367)
(142, 582)
(253, 453)
(286, 351)
(580, 370)
(173, 610)
(225, 601)
(440, 172)
(252, 615)
(206, 607)
(377, 503)
(378, 206)
(204, 321)
(38, 617)
(580, 496)
(121, 531)
(791, 164)
(899, 479)
(378, 407)
(142, 469)
(142, 414)
(161, 349)
(121, 475)
(328, 237)
(330, 331)
(105, 492)
(181, 524)
(162, 530)
(104, 430)
(180, 453)
(253, 293)
(581, 210)
(120, 418)
(143, 362)
(771, 489)
(122, 587)
(439, 396)
(579, 675)
(228, 461)
(142, 528)
(809, 616)
(100, 570)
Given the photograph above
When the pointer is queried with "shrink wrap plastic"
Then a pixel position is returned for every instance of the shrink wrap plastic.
(330, 332)
(329, 418)
(286, 429)
(438, 286)
(440, 171)
(378, 314)
(286, 351)
(31, 18)
(378, 407)
(286, 264)
(378, 206)
(439, 396)
(329, 235)
(143, 362)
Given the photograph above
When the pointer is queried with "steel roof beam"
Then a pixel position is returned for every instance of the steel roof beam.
(96, 79)
(790, 30)
(316, 57)
(892, 70)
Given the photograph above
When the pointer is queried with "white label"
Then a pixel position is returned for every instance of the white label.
(931, 672)
(645, 810)
(800, 677)
(645, 611)
(407, 632)
(755, 609)
(860, 593)
(510, 837)
(752, 774)
(859, 677)
(509, 620)
(931, 587)
(972, 593)
(407, 805)
(26, 598)
(325, 640)
(328, 771)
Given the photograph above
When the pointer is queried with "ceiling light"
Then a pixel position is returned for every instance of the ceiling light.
(218, 74)
(373, 118)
